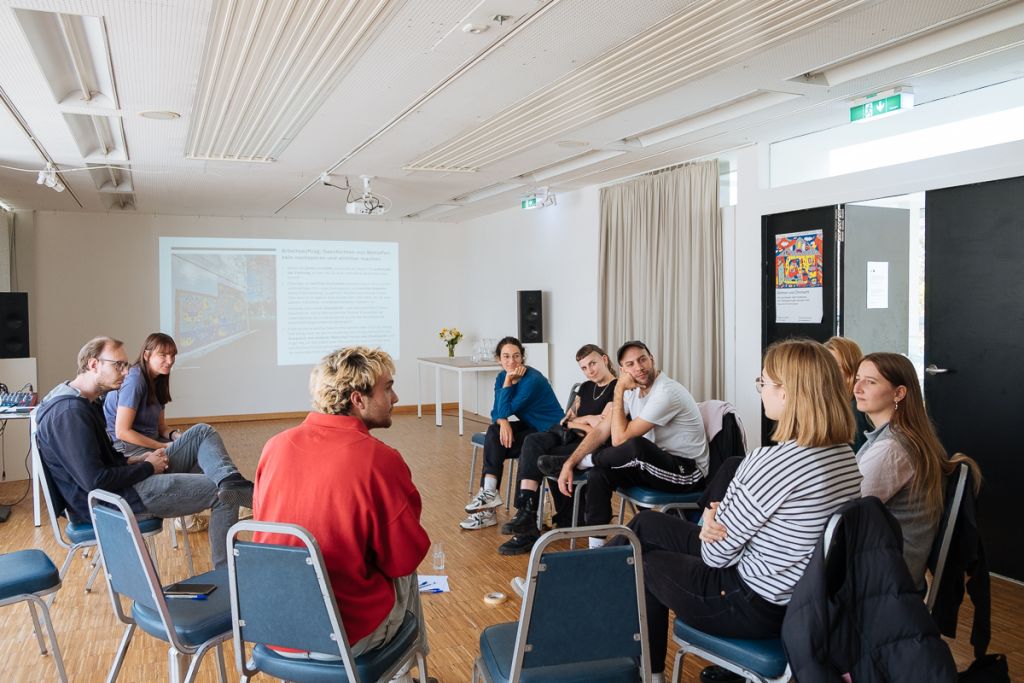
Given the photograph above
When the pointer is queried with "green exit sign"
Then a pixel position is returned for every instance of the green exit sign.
(529, 202)
(881, 106)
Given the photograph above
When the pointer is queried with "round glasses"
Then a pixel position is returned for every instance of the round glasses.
(760, 383)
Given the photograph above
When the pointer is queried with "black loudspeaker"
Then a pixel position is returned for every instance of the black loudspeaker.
(531, 317)
(13, 325)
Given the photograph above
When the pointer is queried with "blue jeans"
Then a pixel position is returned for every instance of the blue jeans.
(198, 461)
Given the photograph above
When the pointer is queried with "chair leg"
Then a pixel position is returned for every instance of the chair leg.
(575, 512)
(677, 665)
(63, 571)
(472, 470)
(511, 480)
(58, 660)
(222, 674)
(185, 541)
(175, 663)
(122, 649)
(541, 499)
(622, 510)
(95, 572)
(421, 665)
(35, 627)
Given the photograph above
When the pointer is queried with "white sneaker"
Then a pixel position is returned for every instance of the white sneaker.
(479, 520)
(485, 499)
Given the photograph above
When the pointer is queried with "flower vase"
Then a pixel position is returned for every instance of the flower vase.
(451, 350)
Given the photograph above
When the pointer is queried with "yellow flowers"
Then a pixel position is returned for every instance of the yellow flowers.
(450, 335)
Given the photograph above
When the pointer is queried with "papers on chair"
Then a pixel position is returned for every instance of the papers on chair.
(434, 584)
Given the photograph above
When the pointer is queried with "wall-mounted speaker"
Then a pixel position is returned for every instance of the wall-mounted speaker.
(13, 325)
(531, 317)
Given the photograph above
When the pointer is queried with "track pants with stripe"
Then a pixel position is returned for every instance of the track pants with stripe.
(637, 462)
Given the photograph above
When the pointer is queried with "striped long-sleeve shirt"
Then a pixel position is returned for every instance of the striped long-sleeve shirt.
(775, 510)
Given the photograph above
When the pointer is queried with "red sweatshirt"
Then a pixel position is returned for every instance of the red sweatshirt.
(355, 494)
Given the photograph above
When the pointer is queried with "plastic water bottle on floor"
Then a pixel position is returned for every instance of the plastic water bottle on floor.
(437, 554)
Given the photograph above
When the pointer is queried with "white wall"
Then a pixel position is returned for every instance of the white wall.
(554, 250)
(756, 198)
(91, 274)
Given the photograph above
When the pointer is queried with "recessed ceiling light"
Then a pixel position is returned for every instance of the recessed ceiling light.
(160, 115)
(475, 29)
(572, 144)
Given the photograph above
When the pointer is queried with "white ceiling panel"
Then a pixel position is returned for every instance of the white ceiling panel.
(554, 94)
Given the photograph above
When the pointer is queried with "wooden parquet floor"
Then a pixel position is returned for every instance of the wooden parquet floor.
(88, 632)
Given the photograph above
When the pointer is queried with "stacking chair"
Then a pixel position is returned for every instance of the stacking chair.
(26, 576)
(190, 627)
(761, 660)
(281, 595)
(583, 617)
(944, 537)
(75, 536)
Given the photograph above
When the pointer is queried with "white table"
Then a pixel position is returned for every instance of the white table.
(34, 479)
(459, 365)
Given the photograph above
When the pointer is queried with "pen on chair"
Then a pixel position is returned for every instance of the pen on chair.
(186, 597)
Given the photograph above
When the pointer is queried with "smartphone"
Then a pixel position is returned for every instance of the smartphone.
(188, 590)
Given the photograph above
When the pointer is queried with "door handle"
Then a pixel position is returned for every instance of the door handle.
(933, 369)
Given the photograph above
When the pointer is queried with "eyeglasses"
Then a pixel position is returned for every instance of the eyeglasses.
(761, 382)
(119, 365)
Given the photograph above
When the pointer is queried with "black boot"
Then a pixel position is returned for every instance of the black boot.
(519, 544)
(525, 519)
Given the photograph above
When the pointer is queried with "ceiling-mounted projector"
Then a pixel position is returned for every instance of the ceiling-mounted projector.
(367, 204)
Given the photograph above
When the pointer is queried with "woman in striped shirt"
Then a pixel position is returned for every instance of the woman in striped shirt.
(733, 577)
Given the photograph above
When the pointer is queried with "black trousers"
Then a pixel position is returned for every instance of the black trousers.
(712, 599)
(637, 462)
(547, 443)
(495, 454)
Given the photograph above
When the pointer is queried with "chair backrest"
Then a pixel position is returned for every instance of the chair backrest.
(128, 566)
(51, 494)
(573, 393)
(582, 605)
(280, 595)
(944, 537)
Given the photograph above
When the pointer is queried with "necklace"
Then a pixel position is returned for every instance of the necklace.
(603, 389)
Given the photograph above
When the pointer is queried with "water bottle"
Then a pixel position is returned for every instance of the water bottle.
(437, 553)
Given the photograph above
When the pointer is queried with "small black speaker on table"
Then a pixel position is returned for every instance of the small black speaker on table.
(531, 317)
(13, 325)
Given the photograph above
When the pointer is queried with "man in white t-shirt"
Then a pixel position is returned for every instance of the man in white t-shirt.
(657, 438)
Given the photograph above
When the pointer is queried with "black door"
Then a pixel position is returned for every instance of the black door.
(974, 335)
(824, 218)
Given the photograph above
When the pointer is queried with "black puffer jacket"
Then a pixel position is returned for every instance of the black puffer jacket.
(858, 612)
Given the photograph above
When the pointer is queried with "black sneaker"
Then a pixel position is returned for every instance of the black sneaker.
(238, 492)
(551, 465)
(519, 544)
(524, 520)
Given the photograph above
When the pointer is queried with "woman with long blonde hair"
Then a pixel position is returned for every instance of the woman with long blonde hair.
(903, 462)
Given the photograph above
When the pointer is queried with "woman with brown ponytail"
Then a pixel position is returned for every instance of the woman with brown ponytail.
(903, 461)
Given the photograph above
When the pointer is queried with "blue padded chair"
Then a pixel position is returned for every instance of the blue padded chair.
(944, 536)
(75, 536)
(761, 660)
(304, 616)
(661, 501)
(191, 627)
(564, 634)
(26, 576)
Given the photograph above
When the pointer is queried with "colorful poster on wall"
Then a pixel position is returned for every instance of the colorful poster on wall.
(798, 277)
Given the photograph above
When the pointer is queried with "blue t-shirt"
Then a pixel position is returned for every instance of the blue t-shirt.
(133, 394)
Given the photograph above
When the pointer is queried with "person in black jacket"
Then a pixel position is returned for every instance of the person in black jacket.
(858, 612)
(79, 456)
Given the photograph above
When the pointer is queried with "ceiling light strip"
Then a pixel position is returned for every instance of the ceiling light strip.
(77, 63)
(611, 103)
(240, 63)
(356, 40)
(211, 79)
(257, 79)
(574, 98)
(282, 75)
(589, 82)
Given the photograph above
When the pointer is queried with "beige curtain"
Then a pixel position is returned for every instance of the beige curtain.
(661, 272)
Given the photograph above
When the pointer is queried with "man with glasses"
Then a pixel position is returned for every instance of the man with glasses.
(79, 457)
(657, 436)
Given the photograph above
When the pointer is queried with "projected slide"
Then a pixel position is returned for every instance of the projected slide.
(283, 301)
